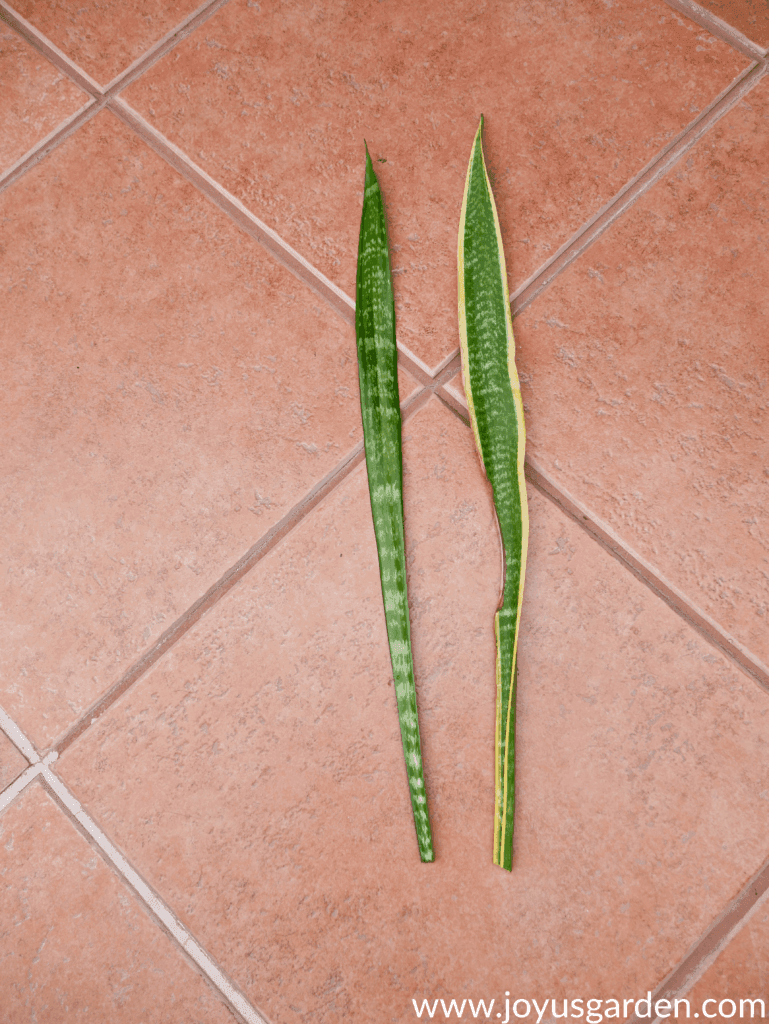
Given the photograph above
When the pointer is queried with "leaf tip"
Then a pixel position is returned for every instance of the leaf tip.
(478, 141)
(370, 177)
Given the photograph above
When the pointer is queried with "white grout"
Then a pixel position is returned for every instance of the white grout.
(159, 49)
(10, 793)
(247, 221)
(296, 263)
(125, 77)
(99, 95)
(150, 898)
(18, 738)
(51, 141)
(656, 169)
(50, 50)
(144, 892)
(706, 950)
(453, 395)
(718, 27)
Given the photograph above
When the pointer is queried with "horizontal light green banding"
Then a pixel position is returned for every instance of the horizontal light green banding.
(380, 408)
(496, 414)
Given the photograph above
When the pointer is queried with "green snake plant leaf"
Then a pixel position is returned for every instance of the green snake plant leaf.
(496, 414)
(380, 409)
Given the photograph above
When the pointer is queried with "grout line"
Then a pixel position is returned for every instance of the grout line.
(726, 926)
(99, 96)
(443, 364)
(50, 142)
(644, 571)
(447, 369)
(18, 738)
(630, 192)
(185, 28)
(413, 404)
(124, 78)
(698, 619)
(450, 367)
(227, 581)
(19, 784)
(294, 261)
(696, 962)
(453, 397)
(247, 221)
(718, 27)
(48, 49)
(341, 303)
(24, 745)
(147, 895)
(213, 595)
(235, 210)
(157, 906)
(416, 367)
(656, 169)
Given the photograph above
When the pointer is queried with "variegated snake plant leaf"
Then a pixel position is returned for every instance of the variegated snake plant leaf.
(496, 414)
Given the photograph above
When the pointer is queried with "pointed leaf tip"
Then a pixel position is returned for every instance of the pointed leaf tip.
(370, 177)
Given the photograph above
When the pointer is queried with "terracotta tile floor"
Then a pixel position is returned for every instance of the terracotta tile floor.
(203, 807)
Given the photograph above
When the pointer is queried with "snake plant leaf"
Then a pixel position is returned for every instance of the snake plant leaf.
(496, 414)
(380, 409)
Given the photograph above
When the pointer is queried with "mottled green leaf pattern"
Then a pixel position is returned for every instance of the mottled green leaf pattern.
(380, 407)
(496, 413)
